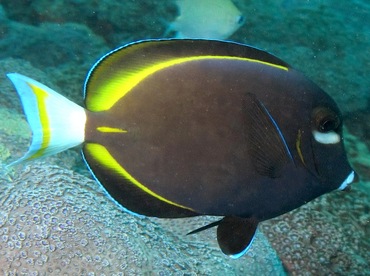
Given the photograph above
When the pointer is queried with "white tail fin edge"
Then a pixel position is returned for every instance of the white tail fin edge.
(57, 123)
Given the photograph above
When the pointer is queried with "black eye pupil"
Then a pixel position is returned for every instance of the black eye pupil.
(326, 120)
(328, 125)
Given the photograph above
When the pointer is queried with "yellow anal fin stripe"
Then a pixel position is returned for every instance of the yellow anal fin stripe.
(119, 86)
(102, 155)
(105, 129)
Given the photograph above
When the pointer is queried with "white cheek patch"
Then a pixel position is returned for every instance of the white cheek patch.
(330, 137)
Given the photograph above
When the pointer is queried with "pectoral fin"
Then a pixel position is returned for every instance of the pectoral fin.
(235, 235)
(267, 144)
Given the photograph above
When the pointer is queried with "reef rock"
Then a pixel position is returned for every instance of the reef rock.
(55, 221)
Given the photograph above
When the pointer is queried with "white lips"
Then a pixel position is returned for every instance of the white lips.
(347, 181)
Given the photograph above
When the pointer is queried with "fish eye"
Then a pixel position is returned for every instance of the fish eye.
(325, 120)
(326, 124)
(240, 19)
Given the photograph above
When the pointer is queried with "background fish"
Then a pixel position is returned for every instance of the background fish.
(177, 128)
(215, 19)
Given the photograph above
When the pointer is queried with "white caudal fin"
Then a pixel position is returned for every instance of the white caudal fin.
(57, 123)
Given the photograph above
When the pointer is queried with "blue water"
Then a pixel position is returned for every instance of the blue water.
(54, 218)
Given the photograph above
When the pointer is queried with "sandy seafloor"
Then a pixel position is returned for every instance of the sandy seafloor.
(54, 219)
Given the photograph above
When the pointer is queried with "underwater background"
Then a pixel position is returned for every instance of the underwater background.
(54, 219)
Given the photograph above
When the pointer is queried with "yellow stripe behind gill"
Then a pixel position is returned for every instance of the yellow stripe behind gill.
(298, 146)
(110, 129)
(41, 96)
(106, 99)
(102, 155)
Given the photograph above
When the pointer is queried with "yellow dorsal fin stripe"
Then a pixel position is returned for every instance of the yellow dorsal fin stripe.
(41, 96)
(102, 155)
(119, 86)
(110, 129)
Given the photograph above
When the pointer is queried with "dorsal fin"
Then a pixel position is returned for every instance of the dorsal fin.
(116, 73)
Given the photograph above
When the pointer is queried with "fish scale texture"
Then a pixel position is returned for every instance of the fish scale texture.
(55, 221)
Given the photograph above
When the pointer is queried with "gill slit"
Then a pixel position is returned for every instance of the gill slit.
(298, 147)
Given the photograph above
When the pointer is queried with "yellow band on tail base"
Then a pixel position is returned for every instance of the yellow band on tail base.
(41, 95)
(57, 123)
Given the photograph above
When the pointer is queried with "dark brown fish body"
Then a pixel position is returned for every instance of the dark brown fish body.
(188, 138)
(176, 128)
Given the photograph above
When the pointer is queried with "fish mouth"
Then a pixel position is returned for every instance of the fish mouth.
(352, 177)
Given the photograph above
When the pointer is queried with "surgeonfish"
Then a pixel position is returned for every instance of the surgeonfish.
(211, 19)
(181, 128)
